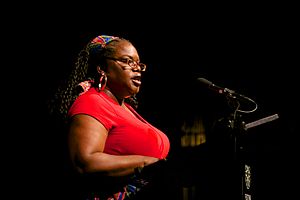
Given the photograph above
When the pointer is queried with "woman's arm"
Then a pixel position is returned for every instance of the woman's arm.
(87, 138)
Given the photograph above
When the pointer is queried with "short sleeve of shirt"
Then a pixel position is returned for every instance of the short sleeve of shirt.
(95, 106)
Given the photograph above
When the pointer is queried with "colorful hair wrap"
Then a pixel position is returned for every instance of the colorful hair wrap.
(103, 39)
(100, 42)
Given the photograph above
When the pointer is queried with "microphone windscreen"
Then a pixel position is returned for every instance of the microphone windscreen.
(205, 81)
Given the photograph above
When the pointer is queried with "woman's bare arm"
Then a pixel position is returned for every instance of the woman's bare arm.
(87, 138)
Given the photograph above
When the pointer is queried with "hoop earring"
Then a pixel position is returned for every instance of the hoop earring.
(102, 81)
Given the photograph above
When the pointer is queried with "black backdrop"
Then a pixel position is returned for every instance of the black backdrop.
(253, 53)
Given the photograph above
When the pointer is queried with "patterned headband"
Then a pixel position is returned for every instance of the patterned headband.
(100, 42)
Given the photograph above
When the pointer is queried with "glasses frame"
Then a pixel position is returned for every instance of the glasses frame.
(131, 63)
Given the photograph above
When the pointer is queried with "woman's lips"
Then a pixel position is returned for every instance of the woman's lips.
(136, 82)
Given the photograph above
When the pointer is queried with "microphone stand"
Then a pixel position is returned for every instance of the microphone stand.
(238, 128)
(236, 131)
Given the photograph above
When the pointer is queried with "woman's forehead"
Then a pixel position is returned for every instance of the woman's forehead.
(125, 48)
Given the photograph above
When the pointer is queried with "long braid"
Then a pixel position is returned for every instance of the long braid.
(67, 92)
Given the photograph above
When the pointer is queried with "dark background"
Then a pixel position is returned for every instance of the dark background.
(252, 50)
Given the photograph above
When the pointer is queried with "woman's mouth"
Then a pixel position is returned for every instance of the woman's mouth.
(137, 80)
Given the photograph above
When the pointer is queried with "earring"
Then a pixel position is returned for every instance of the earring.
(102, 81)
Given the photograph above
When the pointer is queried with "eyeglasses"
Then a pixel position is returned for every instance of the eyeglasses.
(131, 63)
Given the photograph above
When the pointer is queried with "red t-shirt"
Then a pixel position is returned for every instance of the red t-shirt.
(127, 134)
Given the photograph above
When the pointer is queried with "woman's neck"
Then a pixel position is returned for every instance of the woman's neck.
(120, 101)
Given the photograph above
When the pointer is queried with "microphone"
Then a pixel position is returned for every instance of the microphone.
(220, 90)
(228, 92)
(214, 87)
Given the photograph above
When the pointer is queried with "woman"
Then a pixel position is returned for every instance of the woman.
(109, 142)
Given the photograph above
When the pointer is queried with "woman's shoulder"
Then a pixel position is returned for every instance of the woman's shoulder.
(91, 95)
(88, 101)
(94, 103)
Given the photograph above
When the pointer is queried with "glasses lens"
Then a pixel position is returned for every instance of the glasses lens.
(142, 66)
(134, 65)
(130, 62)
